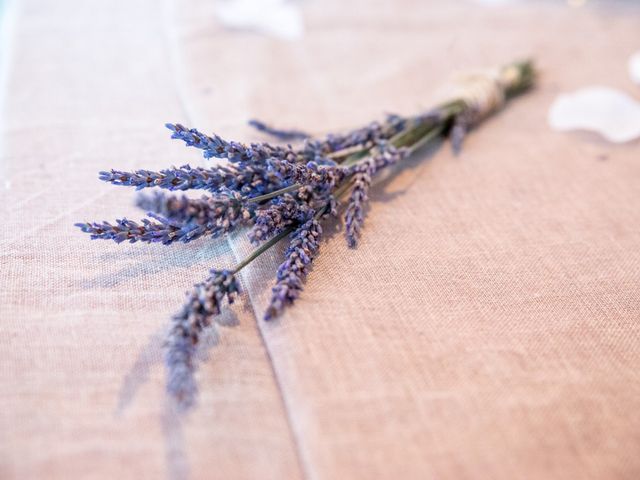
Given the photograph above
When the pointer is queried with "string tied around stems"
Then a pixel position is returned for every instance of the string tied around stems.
(483, 92)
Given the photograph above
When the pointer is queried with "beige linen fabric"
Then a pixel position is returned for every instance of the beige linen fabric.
(485, 327)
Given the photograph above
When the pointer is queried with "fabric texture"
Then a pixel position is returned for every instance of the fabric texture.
(487, 325)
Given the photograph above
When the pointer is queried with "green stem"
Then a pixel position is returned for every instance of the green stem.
(263, 248)
(432, 135)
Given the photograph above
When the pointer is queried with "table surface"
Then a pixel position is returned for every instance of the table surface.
(487, 326)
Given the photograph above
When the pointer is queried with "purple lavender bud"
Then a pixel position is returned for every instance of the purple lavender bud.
(248, 179)
(284, 135)
(139, 179)
(129, 230)
(206, 217)
(354, 214)
(216, 147)
(363, 172)
(183, 210)
(202, 303)
(320, 177)
(278, 215)
(303, 247)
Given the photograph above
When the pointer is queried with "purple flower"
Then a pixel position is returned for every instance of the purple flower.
(278, 215)
(129, 230)
(284, 135)
(303, 247)
(203, 211)
(363, 172)
(206, 217)
(216, 147)
(322, 178)
(248, 179)
(202, 303)
(354, 215)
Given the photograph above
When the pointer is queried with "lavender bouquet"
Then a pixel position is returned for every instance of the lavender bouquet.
(280, 192)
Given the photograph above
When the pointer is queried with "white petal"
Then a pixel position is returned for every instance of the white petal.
(609, 112)
(279, 18)
(634, 67)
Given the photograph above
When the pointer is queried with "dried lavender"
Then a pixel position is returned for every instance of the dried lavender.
(222, 212)
(188, 220)
(354, 214)
(216, 147)
(245, 178)
(202, 303)
(363, 173)
(303, 247)
(282, 212)
(278, 133)
(282, 191)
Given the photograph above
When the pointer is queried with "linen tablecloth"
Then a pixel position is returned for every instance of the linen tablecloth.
(487, 326)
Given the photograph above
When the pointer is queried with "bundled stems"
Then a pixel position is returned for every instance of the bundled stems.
(414, 137)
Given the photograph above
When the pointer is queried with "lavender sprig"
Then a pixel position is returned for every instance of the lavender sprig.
(354, 215)
(216, 147)
(248, 179)
(202, 303)
(220, 211)
(363, 173)
(280, 134)
(303, 248)
(207, 217)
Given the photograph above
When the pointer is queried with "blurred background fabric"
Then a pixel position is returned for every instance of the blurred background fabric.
(487, 326)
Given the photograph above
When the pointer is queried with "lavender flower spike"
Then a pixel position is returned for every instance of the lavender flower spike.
(213, 217)
(204, 211)
(248, 179)
(131, 231)
(203, 302)
(363, 173)
(284, 135)
(354, 215)
(305, 242)
(216, 147)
